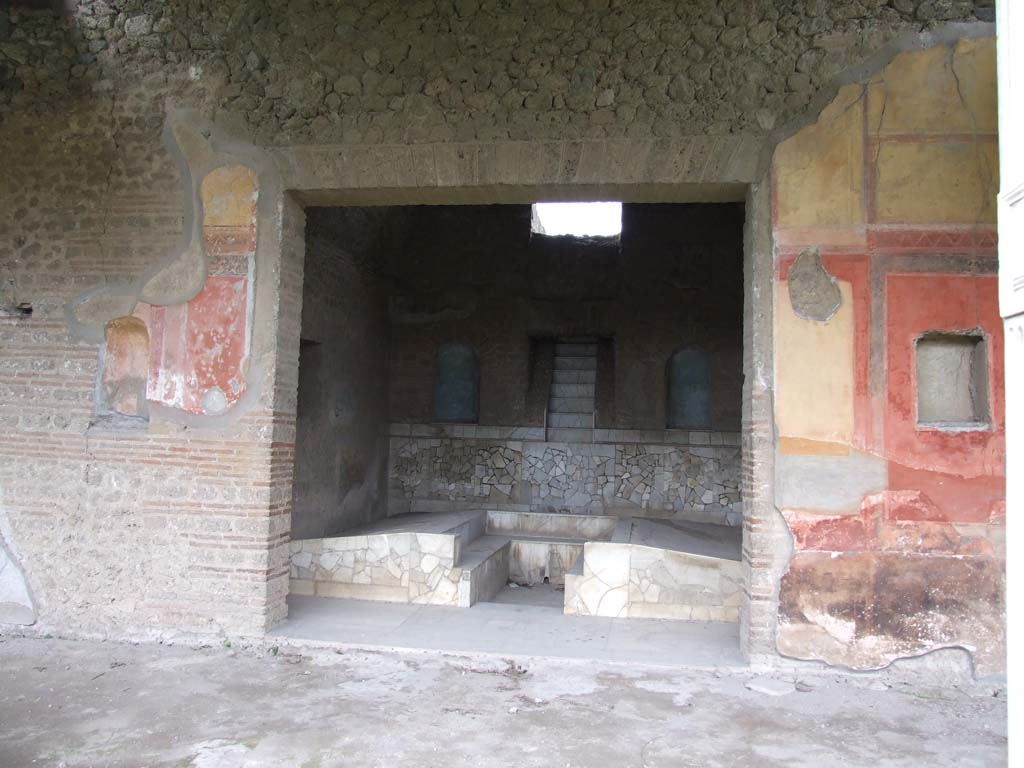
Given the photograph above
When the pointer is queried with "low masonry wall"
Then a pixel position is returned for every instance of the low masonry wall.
(395, 567)
(620, 580)
(678, 474)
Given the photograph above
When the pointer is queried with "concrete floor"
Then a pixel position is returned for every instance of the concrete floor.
(523, 621)
(541, 595)
(66, 703)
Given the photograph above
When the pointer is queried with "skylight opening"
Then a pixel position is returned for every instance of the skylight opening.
(578, 219)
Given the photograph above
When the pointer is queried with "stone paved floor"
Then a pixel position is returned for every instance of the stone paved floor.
(66, 703)
(524, 622)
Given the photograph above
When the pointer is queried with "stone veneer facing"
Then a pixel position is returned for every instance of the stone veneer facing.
(397, 567)
(622, 580)
(470, 556)
(680, 474)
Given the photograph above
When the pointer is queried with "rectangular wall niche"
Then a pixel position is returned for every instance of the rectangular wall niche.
(952, 381)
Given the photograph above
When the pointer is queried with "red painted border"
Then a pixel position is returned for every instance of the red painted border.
(961, 473)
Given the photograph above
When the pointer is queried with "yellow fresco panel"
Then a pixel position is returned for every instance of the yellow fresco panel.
(228, 193)
(948, 182)
(814, 373)
(942, 90)
(819, 171)
(975, 65)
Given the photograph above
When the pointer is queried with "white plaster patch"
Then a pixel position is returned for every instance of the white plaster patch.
(219, 754)
(682, 694)
(828, 483)
(842, 630)
(215, 401)
(570, 680)
(770, 686)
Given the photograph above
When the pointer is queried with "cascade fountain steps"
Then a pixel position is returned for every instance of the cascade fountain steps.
(570, 416)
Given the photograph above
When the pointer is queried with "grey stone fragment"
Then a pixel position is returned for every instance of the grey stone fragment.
(770, 686)
(214, 401)
(813, 292)
(828, 483)
(137, 26)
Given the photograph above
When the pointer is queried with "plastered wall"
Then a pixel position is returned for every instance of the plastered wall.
(184, 526)
(168, 523)
(897, 525)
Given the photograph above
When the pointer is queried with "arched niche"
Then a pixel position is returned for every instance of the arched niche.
(124, 369)
(689, 389)
(457, 384)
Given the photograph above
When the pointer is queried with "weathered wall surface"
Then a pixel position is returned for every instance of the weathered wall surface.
(898, 525)
(474, 274)
(190, 491)
(199, 348)
(436, 71)
(341, 424)
(90, 196)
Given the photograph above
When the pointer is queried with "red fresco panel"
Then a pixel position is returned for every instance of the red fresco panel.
(215, 340)
(855, 270)
(960, 472)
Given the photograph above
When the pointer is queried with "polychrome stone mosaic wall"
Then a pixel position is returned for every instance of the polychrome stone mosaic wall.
(696, 477)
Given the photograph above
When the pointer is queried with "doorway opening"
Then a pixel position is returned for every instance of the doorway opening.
(500, 417)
